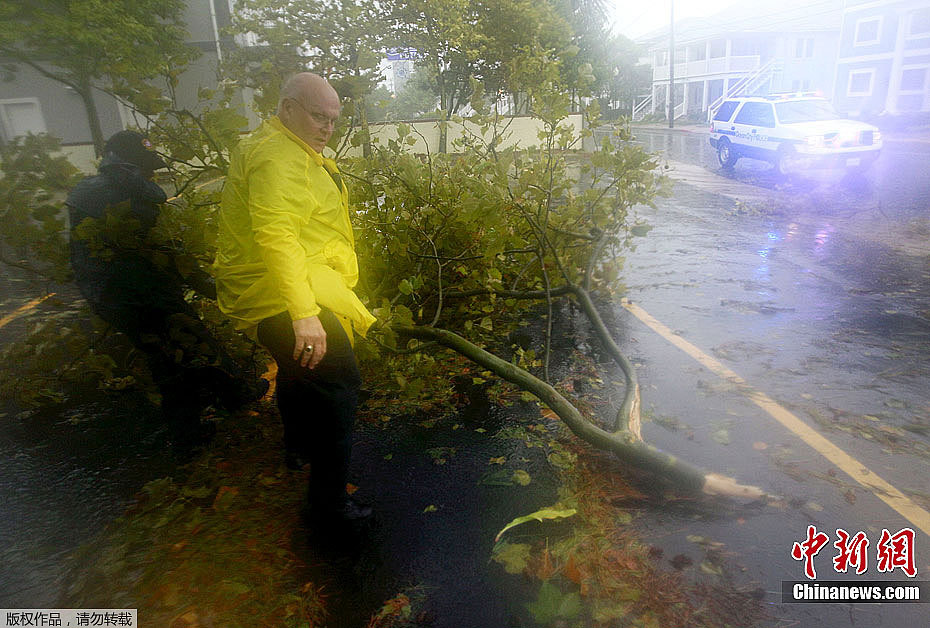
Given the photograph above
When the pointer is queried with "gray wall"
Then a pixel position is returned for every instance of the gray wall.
(62, 109)
(863, 105)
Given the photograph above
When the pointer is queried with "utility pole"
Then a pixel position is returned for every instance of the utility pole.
(671, 67)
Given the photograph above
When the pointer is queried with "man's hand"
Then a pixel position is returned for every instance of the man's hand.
(309, 332)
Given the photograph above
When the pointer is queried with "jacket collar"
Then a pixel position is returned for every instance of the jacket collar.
(320, 160)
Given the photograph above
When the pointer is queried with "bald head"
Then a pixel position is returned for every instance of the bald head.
(306, 86)
(309, 107)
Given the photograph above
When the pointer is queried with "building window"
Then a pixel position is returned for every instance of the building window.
(19, 116)
(919, 23)
(804, 47)
(697, 52)
(860, 83)
(868, 31)
(718, 48)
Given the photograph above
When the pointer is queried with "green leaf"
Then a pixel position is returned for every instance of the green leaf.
(551, 604)
(561, 459)
(512, 556)
(539, 515)
(521, 477)
(198, 493)
(622, 517)
(711, 568)
(500, 477)
(235, 587)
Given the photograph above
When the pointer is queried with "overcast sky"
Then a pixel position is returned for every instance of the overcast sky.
(638, 17)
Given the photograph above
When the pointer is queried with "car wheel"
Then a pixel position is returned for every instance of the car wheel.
(785, 160)
(726, 156)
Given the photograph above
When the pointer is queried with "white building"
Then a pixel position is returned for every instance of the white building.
(751, 48)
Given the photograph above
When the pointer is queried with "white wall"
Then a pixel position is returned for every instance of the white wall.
(522, 131)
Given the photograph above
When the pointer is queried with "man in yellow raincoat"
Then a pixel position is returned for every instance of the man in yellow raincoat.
(285, 270)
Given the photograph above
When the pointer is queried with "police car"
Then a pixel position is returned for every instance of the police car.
(793, 132)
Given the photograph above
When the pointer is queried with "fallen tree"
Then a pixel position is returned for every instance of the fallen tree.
(462, 249)
(473, 242)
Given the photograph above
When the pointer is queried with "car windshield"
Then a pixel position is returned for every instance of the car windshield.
(805, 111)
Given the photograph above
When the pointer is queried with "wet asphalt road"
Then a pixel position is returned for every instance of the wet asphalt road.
(778, 282)
(67, 470)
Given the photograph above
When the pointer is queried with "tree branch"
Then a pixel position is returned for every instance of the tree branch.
(512, 294)
(622, 443)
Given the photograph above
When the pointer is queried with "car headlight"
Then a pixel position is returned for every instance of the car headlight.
(813, 141)
(876, 136)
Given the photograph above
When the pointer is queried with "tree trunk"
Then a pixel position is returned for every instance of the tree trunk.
(622, 443)
(444, 99)
(86, 93)
(362, 113)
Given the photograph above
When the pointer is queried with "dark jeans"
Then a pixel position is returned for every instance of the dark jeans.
(317, 406)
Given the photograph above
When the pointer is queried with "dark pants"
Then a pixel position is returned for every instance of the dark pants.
(187, 363)
(317, 406)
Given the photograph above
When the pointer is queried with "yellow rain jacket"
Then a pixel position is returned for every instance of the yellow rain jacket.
(285, 240)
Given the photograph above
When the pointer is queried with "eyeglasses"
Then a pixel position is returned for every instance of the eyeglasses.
(316, 116)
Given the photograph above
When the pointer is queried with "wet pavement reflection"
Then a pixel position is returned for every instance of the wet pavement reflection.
(67, 472)
(834, 327)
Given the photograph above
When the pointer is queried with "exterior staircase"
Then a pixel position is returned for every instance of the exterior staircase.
(641, 108)
(748, 84)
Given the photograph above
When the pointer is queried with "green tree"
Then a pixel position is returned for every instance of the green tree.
(90, 45)
(414, 100)
(341, 40)
(464, 43)
(32, 185)
(623, 78)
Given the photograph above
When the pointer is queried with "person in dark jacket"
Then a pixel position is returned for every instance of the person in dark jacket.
(135, 286)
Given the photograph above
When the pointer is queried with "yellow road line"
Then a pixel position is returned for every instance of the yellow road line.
(23, 309)
(918, 517)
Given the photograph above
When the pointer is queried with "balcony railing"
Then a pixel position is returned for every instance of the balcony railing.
(706, 67)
